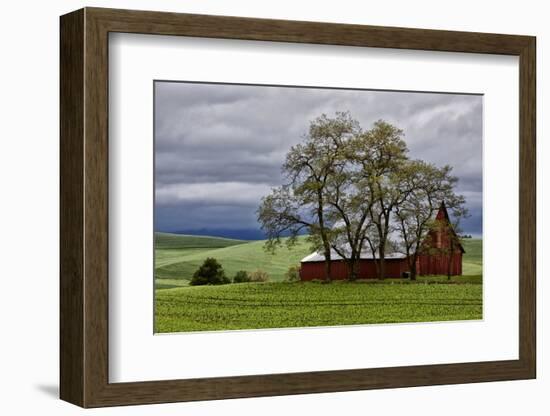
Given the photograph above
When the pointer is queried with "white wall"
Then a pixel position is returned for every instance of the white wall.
(29, 207)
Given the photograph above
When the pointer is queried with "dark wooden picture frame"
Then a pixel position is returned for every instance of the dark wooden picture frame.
(84, 207)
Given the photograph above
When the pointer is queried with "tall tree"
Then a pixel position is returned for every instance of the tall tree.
(301, 202)
(348, 210)
(381, 156)
(349, 207)
(415, 215)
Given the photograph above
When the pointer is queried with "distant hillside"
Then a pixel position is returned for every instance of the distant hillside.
(238, 234)
(179, 241)
(236, 255)
(473, 258)
(473, 248)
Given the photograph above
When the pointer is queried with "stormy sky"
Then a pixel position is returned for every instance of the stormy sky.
(219, 148)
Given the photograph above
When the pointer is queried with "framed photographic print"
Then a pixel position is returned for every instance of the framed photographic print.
(255, 207)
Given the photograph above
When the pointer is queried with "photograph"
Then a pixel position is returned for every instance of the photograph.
(292, 206)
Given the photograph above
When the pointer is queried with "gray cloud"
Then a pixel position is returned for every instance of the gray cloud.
(219, 147)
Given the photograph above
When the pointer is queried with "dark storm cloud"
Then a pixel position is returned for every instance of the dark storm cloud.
(219, 148)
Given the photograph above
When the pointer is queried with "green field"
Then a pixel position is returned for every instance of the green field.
(472, 261)
(279, 304)
(178, 256)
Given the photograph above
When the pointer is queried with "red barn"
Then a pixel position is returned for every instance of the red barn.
(442, 252)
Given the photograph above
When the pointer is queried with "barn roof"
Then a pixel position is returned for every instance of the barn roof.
(444, 214)
(365, 255)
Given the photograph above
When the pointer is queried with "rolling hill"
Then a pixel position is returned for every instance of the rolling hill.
(472, 262)
(181, 241)
(178, 256)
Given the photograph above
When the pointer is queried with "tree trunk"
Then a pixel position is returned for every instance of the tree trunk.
(352, 266)
(376, 263)
(412, 270)
(411, 261)
(383, 232)
(450, 266)
(328, 267)
(451, 258)
(382, 268)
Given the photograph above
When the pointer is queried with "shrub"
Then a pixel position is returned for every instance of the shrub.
(210, 273)
(241, 277)
(259, 276)
(293, 274)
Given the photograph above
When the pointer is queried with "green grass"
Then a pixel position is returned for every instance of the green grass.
(182, 261)
(170, 283)
(283, 305)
